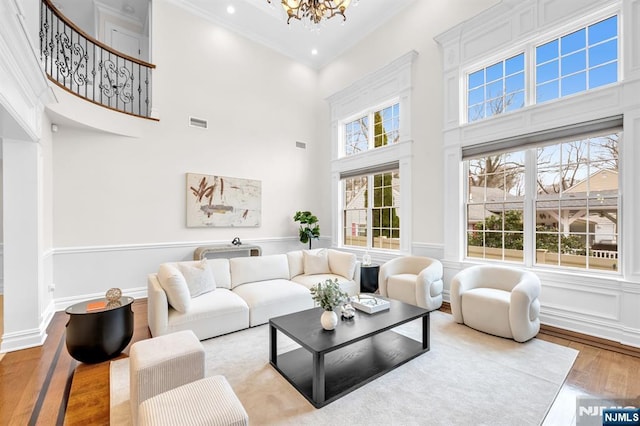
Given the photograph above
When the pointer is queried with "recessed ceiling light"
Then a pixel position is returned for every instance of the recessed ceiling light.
(314, 51)
(231, 10)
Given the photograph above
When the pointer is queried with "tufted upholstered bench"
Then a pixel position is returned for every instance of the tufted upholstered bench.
(209, 401)
(163, 363)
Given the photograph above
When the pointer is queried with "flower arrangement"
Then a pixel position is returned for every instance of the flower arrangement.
(328, 294)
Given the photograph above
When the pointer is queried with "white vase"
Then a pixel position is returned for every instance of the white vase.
(329, 320)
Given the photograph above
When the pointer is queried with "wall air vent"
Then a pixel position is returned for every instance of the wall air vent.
(197, 122)
(302, 145)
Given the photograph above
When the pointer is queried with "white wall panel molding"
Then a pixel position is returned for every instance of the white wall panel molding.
(630, 186)
(578, 300)
(378, 86)
(81, 273)
(584, 107)
(632, 50)
(166, 245)
(435, 251)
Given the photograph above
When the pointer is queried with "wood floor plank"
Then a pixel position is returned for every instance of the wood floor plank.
(597, 373)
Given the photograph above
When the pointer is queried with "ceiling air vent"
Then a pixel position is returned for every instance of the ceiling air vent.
(197, 122)
(301, 145)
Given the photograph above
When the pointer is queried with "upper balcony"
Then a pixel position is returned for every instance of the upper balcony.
(90, 69)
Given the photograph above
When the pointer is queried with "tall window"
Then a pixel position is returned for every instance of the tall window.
(575, 204)
(582, 60)
(359, 136)
(371, 210)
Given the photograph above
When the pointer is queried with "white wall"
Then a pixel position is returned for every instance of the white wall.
(126, 195)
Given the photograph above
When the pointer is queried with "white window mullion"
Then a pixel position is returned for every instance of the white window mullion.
(370, 212)
(529, 219)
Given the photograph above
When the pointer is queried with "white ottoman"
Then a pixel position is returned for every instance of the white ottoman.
(163, 363)
(209, 401)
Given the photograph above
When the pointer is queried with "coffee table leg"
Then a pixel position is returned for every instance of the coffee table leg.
(318, 378)
(426, 344)
(273, 345)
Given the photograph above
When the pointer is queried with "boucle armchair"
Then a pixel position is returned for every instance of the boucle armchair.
(412, 279)
(498, 300)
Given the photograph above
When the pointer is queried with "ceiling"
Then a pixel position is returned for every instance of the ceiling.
(266, 23)
(261, 22)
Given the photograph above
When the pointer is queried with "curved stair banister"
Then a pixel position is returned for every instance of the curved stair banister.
(90, 69)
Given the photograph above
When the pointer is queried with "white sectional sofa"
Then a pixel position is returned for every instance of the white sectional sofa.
(217, 296)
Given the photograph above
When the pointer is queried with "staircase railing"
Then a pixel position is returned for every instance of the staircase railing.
(90, 69)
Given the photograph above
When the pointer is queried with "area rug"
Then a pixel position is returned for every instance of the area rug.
(467, 377)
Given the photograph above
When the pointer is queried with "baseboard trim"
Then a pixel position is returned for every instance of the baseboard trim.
(574, 336)
(586, 339)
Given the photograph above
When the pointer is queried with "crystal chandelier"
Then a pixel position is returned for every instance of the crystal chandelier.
(315, 10)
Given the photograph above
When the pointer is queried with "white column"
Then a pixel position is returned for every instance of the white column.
(22, 223)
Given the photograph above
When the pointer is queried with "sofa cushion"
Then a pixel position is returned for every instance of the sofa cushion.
(342, 263)
(316, 263)
(174, 285)
(346, 285)
(296, 263)
(198, 276)
(272, 298)
(258, 268)
(221, 273)
(211, 314)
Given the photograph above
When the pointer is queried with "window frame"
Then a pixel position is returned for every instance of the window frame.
(368, 113)
(370, 207)
(530, 204)
(529, 49)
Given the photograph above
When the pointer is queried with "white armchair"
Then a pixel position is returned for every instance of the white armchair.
(412, 279)
(498, 300)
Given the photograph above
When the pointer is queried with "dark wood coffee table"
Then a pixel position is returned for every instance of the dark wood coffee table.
(330, 364)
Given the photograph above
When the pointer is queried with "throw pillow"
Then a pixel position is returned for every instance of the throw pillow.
(199, 277)
(174, 285)
(342, 263)
(316, 263)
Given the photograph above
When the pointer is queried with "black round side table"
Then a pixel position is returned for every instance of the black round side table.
(369, 278)
(98, 330)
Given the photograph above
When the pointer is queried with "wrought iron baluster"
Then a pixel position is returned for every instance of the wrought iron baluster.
(73, 60)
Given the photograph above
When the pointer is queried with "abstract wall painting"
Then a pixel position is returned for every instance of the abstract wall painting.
(219, 201)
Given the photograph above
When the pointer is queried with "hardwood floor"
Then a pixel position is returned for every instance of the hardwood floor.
(45, 386)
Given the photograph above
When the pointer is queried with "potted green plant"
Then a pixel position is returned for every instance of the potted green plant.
(309, 229)
(329, 296)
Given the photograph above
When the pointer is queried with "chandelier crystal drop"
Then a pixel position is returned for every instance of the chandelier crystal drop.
(315, 10)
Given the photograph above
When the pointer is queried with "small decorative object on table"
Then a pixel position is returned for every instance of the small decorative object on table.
(348, 311)
(366, 259)
(370, 304)
(113, 296)
(236, 241)
(329, 296)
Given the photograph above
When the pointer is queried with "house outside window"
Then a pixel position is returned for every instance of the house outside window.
(574, 193)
